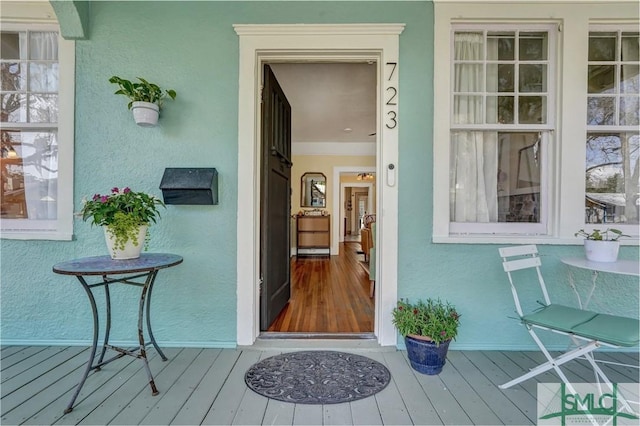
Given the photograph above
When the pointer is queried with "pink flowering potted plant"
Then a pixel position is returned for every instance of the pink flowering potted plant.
(427, 327)
(125, 216)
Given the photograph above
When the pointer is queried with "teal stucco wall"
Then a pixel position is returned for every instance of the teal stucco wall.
(192, 48)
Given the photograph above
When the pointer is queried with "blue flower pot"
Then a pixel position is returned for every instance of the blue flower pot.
(426, 357)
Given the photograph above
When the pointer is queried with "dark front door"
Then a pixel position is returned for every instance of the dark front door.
(275, 200)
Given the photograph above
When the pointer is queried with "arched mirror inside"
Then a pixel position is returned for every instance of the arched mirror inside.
(313, 190)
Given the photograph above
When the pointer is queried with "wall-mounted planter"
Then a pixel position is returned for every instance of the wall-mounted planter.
(145, 113)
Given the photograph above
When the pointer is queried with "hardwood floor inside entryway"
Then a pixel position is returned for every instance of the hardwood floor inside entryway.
(328, 295)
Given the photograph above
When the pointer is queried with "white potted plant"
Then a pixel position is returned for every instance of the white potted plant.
(146, 99)
(125, 216)
(601, 246)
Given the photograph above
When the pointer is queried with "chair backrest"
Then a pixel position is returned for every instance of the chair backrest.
(522, 257)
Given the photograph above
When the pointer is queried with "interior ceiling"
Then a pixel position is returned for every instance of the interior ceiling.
(327, 99)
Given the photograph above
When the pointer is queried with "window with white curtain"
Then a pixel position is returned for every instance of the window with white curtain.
(36, 134)
(501, 123)
(612, 179)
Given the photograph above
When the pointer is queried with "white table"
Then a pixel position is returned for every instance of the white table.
(620, 267)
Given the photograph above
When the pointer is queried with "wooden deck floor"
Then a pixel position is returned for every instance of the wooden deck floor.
(206, 386)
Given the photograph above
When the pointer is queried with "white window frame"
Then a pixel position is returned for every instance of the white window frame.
(628, 229)
(546, 130)
(567, 162)
(62, 227)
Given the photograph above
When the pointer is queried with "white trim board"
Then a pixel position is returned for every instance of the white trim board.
(351, 42)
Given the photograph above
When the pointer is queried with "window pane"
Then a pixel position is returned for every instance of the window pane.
(612, 178)
(43, 108)
(467, 109)
(13, 76)
(600, 111)
(533, 46)
(629, 111)
(533, 78)
(29, 175)
(14, 108)
(43, 45)
(630, 79)
(602, 46)
(495, 177)
(468, 46)
(532, 109)
(9, 45)
(602, 78)
(500, 78)
(630, 47)
(43, 77)
(500, 109)
(501, 46)
(468, 78)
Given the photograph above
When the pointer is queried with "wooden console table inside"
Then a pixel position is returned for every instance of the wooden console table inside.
(314, 235)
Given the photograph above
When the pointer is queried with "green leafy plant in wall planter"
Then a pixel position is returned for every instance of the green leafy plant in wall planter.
(145, 99)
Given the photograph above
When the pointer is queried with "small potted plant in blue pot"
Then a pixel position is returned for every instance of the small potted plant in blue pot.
(427, 327)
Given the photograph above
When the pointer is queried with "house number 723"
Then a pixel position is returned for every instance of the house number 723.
(391, 92)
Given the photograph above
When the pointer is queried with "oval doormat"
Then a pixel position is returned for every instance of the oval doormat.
(317, 377)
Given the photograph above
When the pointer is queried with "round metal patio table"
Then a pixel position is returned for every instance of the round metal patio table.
(144, 271)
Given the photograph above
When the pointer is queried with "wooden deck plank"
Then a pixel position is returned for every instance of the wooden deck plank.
(446, 405)
(472, 404)
(307, 414)
(336, 414)
(144, 402)
(415, 400)
(37, 380)
(206, 386)
(19, 356)
(99, 385)
(200, 401)
(226, 404)
(175, 397)
(506, 411)
(37, 371)
(252, 407)
(390, 405)
(45, 399)
(365, 412)
(11, 350)
(132, 387)
(42, 354)
(499, 369)
(7, 350)
(278, 413)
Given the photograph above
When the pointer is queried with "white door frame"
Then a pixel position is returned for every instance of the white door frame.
(318, 43)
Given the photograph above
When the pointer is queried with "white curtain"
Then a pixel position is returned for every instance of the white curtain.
(474, 154)
(43, 46)
(40, 166)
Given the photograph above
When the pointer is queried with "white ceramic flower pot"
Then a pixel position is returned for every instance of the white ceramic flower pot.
(131, 250)
(601, 251)
(145, 113)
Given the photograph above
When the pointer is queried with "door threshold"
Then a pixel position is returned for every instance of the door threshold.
(315, 335)
(276, 341)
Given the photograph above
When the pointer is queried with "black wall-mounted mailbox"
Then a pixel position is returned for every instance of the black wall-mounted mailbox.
(196, 186)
